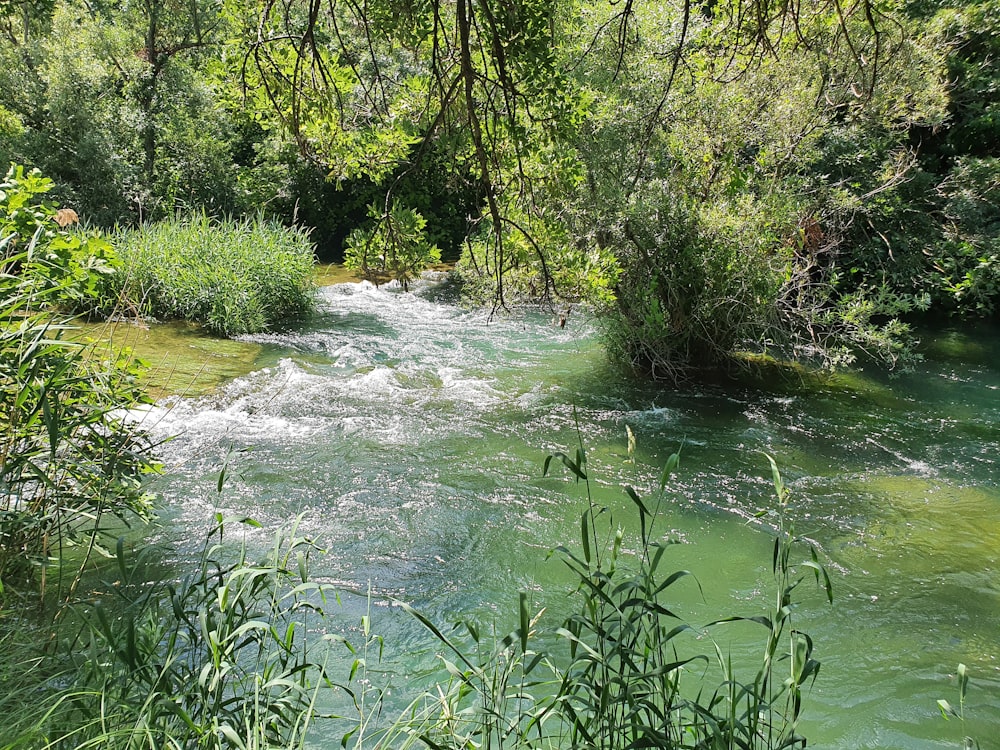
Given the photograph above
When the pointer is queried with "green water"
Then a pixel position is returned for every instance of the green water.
(411, 434)
(176, 357)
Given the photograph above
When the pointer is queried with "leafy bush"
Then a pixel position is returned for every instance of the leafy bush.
(232, 276)
(697, 283)
(67, 458)
(393, 247)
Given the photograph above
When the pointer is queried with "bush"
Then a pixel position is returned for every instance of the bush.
(67, 458)
(698, 283)
(393, 247)
(234, 277)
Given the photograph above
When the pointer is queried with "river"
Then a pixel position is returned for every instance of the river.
(411, 432)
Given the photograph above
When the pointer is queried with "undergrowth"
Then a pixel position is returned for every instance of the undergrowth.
(223, 658)
(69, 462)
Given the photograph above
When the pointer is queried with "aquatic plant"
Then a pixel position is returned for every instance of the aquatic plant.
(618, 672)
(948, 711)
(232, 276)
(222, 658)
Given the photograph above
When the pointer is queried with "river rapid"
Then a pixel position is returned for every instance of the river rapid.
(410, 434)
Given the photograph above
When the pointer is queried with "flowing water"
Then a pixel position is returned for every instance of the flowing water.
(410, 433)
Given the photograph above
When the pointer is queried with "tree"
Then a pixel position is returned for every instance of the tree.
(664, 150)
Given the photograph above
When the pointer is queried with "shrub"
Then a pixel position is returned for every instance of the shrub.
(67, 458)
(234, 277)
(698, 282)
(393, 247)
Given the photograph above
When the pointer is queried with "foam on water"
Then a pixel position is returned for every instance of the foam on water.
(412, 432)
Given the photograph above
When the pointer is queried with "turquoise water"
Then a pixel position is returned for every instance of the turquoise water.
(410, 433)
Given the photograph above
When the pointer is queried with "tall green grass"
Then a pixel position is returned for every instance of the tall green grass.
(232, 276)
(623, 670)
(236, 656)
(68, 459)
(224, 658)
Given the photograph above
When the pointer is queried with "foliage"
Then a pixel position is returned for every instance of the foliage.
(68, 459)
(11, 132)
(544, 136)
(394, 246)
(230, 656)
(967, 32)
(76, 266)
(616, 673)
(24, 672)
(232, 276)
(696, 284)
(297, 186)
(160, 142)
(541, 264)
(918, 190)
(968, 258)
(778, 171)
(948, 711)
(223, 659)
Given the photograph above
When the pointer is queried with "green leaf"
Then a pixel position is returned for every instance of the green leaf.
(524, 620)
(668, 468)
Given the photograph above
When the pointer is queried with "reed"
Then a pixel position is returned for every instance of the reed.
(232, 276)
(618, 672)
(235, 656)
(221, 659)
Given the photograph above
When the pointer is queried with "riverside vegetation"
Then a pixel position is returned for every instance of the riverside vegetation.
(721, 180)
(68, 457)
(233, 655)
(229, 657)
(226, 657)
(798, 180)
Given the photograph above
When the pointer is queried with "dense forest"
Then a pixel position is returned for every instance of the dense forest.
(789, 178)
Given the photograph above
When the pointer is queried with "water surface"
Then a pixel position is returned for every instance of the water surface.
(411, 433)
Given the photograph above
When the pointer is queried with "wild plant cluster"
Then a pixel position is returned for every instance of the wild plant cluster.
(69, 462)
(623, 670)
(227, 657)
(242, 653)
(232, 276)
